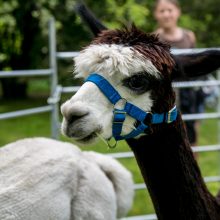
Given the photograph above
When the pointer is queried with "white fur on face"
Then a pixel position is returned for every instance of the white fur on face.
(110, 59)
(115, 63)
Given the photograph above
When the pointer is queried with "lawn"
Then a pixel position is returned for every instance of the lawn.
(39, 125)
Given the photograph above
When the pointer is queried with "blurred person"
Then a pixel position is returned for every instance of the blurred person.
(167, 14)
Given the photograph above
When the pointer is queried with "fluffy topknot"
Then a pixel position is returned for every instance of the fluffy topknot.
(149, 45)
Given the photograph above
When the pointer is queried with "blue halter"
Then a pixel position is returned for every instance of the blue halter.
(144, 119)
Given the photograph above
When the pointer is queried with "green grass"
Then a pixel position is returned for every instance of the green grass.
(39, 125)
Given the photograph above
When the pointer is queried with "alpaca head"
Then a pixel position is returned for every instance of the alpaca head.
(139, 66)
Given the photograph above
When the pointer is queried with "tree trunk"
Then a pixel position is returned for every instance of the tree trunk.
(29, 30)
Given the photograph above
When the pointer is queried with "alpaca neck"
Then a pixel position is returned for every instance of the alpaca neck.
(172, 175)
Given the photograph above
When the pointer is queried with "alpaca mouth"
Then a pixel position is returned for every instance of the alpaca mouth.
(87, 138)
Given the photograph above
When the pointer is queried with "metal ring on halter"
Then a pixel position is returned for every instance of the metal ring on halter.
(113, 145)
(118, 102)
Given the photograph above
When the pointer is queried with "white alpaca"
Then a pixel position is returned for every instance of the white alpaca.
(44, 179)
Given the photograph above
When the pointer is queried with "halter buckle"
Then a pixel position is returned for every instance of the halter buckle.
(169, 114)
(119, 116)
(169, 117)
(120, 104)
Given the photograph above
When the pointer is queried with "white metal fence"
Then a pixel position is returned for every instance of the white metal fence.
(57, 90)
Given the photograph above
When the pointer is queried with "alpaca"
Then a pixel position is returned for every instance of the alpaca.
(42, 179)
(128, 95)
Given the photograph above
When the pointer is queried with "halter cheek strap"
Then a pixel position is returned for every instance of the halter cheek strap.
(144, 119)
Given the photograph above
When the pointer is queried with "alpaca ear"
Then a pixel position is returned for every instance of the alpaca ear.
(86, 15)
(197, 64)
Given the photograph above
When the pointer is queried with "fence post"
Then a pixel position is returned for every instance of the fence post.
(54, 80)
(218, 110)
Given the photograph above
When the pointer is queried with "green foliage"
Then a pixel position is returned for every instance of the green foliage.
(201, 18)
(24, 26)
(125, 12)
(8, 32)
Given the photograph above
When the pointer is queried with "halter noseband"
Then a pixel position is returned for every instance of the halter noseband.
(144, 119)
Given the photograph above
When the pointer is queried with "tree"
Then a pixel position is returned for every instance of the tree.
(203, 19)
(20, 31)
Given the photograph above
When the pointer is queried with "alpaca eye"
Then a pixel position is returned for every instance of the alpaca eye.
(137, 83)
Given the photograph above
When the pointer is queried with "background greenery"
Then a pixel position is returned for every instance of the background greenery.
(24, 30)
(24, 45)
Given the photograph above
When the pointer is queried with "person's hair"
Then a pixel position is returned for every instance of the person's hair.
(174, 2)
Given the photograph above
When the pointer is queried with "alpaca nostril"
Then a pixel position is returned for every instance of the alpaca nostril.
(72, 118)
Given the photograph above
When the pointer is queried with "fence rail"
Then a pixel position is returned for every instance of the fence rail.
(207, 148)
(58, 90)
(141, 217)
(207, 179)
(25, 112)
(29, 73)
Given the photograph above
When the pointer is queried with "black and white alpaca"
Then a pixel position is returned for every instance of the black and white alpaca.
(141, 68)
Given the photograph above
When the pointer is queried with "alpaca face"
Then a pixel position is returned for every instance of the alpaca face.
(136, 64)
